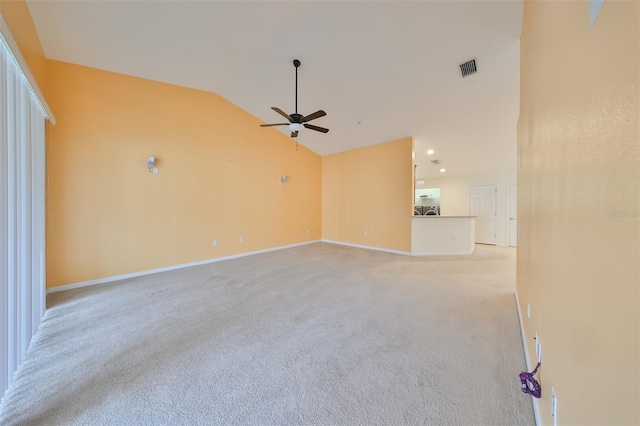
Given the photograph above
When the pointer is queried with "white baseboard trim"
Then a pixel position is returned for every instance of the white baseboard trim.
(170, 268)
(404, 253)
(536, 402)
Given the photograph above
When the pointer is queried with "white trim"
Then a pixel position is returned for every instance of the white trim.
(509, 215)
(170, 268)
(8, 39)
(404, 253)
(536, 402)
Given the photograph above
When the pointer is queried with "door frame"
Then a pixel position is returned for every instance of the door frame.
(509, 214)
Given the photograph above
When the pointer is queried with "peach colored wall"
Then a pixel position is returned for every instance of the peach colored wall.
(18, 19)
(578, 187)
(369, 189)
(218, 178)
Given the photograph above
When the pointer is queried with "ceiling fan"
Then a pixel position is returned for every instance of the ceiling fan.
(297, 121)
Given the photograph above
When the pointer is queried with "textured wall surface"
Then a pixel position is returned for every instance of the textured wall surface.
(578, 186)
(369, 190)
(218, 178)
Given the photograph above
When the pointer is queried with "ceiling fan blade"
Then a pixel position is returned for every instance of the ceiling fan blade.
(281, 112)
(313, 116)
(270, 125)
(316, 128)
(294, 134)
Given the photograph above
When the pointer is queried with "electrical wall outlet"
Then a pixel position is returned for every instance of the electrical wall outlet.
(554, 407)
(215, 243)
(366, 233)
(539, 351)
(308, 231)
(241, 239)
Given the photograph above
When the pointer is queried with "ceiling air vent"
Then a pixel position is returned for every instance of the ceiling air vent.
(468, 68)
(435, 161)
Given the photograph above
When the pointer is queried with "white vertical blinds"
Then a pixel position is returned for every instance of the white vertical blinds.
(22, 215)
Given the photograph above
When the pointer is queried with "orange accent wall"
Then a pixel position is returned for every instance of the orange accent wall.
(369, 189)
(218, 178)
(578, 204)
(16, 15)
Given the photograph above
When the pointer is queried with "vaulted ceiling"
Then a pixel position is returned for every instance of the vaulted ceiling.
(381, 70)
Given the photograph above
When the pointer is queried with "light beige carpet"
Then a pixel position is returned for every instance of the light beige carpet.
(320, 334)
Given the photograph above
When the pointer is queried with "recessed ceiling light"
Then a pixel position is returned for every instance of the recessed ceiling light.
(430, 152)
(443, 170)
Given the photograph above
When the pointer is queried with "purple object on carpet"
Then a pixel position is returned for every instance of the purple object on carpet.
(529, 384)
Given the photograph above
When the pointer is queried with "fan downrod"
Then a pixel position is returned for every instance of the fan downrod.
(298, 121)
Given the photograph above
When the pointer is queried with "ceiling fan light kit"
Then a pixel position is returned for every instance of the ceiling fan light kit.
(297, 122)
(295, 127)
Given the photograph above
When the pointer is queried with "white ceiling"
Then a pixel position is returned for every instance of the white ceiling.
(381, 70)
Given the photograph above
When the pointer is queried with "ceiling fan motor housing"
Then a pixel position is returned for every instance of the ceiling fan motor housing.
(296, 118)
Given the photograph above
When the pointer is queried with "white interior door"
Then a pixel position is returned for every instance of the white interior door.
(483, 206)
(513, 214)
